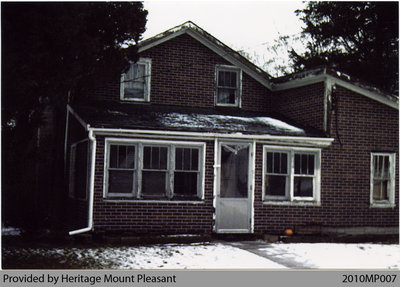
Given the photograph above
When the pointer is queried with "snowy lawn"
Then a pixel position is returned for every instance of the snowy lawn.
(214, 255)
(335, 255)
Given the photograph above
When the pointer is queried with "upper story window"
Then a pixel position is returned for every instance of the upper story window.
(382, 179)
(135, 83)
(291, 175)
(228, 86)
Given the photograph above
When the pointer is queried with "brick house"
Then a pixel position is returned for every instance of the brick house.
(195, 139)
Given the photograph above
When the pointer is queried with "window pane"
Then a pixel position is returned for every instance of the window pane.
(134, 84)
(269, 162)
(195, 159)
(179, 159)
(114, 156)
(303, 186)
(120, 181)
(155, 158)
(386, 167)
(234, 171)
(163, 158)
(185, 184)
(153, 183)
(187, 160)
(283, 163)
(130, 157)
(297, 164)
(226, 96)
(380, 190)
(277, 162)
(147, 157)
(275, 185)
(304, 164)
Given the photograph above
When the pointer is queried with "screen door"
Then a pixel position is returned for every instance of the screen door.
(233, 206)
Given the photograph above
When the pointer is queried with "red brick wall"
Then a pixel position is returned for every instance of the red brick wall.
(153, 217)
(304, 105)
(183, 74)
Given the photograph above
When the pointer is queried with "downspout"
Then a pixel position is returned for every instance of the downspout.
(92, 139)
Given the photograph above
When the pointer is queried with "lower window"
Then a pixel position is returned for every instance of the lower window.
(382, 179)
(160, 171)
(291, 174)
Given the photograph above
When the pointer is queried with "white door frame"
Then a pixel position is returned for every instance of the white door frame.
(251, 183)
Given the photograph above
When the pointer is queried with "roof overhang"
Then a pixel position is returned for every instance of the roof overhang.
(324, 77)
(267, 139)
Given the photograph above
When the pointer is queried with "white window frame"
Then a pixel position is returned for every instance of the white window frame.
(134, 170)
(146, 97)
(71, 192)
(289, 198)
(238, 93)
(390, 202)
(140, 144)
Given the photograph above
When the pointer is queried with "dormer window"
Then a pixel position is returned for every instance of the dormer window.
(228, 86)
(135, 83)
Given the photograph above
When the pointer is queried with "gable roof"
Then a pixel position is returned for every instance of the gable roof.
(294, 80)
(212, 43)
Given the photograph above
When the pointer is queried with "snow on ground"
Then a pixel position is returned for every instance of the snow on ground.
(336, 256)
(222, 255)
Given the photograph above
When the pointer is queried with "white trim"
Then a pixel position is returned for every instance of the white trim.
(292, 200)
(320, 142)
(139, 143)
(91, 186)
(390, 203)
(309, 80)
(147, 86)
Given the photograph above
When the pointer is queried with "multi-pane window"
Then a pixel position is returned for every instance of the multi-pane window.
(304, 173)
(154, 171)
(187, 172)
(277, 174)
(135, 83)
(291, 175)
(382, 179)
(122, 170)
(228, 86)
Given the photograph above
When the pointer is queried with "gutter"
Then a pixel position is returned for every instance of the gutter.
(92, 139)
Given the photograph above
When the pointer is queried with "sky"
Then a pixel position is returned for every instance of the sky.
(243, 25)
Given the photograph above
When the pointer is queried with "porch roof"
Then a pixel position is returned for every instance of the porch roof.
(189, 119)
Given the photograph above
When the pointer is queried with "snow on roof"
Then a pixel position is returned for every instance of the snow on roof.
(228, 123)
(192, 119)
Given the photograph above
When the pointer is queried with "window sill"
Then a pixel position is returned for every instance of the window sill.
(292, 203)
(382, 205)
(135, 100)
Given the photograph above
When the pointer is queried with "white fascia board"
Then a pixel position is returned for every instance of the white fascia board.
(333, 80)
(215, 48)
(369, 94)
(290, 140)
(78, 118)
(299, 82)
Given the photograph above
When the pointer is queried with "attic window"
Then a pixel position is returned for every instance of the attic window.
(135, 83)
(228, 86)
